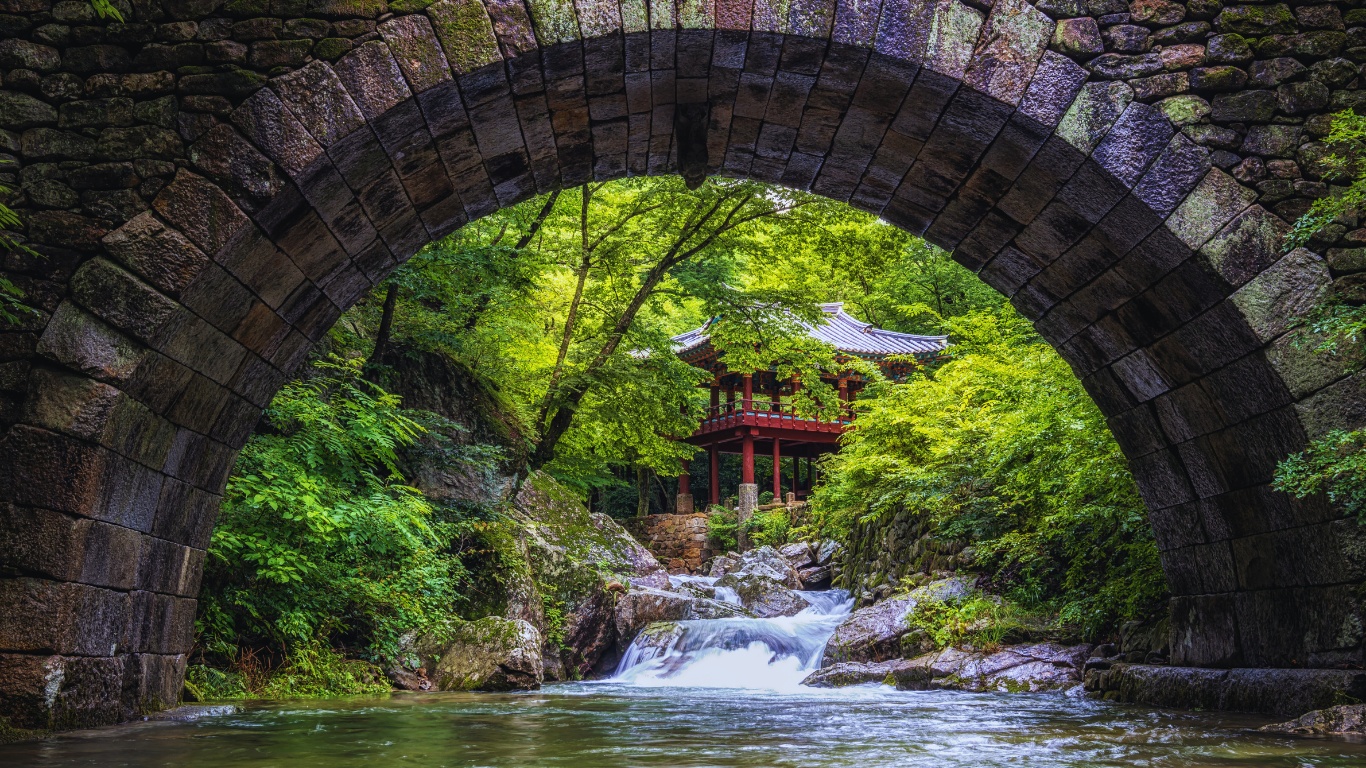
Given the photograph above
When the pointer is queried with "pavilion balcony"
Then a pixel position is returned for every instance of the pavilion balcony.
(766, 416)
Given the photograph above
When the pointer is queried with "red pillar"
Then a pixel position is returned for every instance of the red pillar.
(777, 472)
(747, 404)
(730, 399)
(715, 400)
(715, 476)
(684, 480)
(747, 458)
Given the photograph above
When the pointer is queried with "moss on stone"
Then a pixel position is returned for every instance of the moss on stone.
(466, 34)
(696, 14)
(332, 48)
(554, 21)
(9, 734)
(634, 16)
(409, 6)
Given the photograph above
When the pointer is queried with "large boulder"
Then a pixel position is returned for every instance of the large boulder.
(798, 554)
(1345, 719)
(641, 607)
(874, 633)
(904, 674)
(768, 563)
(763, 596)
(1034, 667)
(491, 654)
(577, 560)
(870, 634)
(553, 564)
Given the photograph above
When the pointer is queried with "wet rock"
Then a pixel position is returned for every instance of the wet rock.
(723, 564)
(1020, 668)
(1015, 669)
(870, 634)
(189, 713)
(491, 654)
(816, 576)
(1281, 692)
(874, 633)
(762, 595)
(798, 555)
(768, 563)
(901, 673)
(640, 608)
(828, 551)
(1346, 719)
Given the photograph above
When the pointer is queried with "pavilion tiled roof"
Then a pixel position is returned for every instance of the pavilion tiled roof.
(844, 333)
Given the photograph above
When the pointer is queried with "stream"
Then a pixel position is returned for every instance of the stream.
(723, 692)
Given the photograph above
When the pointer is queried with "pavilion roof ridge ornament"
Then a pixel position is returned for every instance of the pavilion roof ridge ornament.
(841, 331)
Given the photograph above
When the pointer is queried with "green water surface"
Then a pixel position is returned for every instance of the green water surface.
(603, 724)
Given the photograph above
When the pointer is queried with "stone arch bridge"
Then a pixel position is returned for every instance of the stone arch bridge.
(209, 184)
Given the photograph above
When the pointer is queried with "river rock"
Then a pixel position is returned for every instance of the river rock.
(902, 673)
(827, 551)
(762, 595)
(798, 555)
(816, 576)
(642, 607)
(874, 633)
(767, 562)
(491, 654)
(1014, 669)
(1346, 719)
(574, 557)
(723, 564)
(870, 634)
(1033, 667)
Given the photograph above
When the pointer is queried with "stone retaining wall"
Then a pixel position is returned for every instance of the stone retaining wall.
(677, 541)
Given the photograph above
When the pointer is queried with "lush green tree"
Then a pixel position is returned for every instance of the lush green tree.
(1001, 447)
(320, 538)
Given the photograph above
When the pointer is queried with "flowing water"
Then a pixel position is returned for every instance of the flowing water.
(715, 693)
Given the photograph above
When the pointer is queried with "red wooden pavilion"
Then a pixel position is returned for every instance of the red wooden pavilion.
(748, 412)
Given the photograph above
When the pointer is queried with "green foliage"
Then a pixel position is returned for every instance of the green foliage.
(1346, 141)
(311, 671)
(723, 528)
(12, 307)
(319, 536)
(106, 10)
(768, 526)
(981, 621)
(1002, 447)
(765, 526)
(1334, 464)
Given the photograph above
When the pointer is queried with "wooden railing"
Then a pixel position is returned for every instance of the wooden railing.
(766, 414)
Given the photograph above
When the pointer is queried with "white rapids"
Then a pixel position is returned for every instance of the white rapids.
(757, 654)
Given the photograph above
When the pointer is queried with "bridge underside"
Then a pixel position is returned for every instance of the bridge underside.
(168, 323)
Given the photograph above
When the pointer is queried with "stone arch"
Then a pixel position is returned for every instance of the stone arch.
(1156, 274)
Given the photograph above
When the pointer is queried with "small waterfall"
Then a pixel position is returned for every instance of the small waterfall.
(768, 654)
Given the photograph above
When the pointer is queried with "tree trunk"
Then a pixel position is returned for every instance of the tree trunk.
(386, 326)
(642, 491)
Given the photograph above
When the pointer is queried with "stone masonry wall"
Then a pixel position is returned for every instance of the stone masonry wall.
(677, 541)
(209, 184)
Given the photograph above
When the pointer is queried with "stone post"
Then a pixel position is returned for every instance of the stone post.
(683, 502)
(749, 501)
